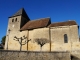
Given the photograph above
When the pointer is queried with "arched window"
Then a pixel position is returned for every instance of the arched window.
(65, 38)
(16, 20)
(12, 20)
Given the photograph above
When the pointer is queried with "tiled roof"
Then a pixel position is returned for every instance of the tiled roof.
(44, 22)
(63, 23)
(21, 12)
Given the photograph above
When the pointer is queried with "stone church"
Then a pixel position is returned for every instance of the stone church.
(24, 34)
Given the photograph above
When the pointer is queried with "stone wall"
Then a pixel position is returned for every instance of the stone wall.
(57, 38)
(15, 25)
(54, 35)
(40, 33)
(75, 50)
(24, 55)
(74, 34)
(13, 44)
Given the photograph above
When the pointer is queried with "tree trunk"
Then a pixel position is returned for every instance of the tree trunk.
(40, 48)
(20, 47)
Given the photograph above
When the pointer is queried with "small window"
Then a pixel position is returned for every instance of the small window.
(12, 20)
(65, 38)
(16, 20)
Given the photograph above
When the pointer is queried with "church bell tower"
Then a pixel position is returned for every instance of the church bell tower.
(15, 23)
(18, 20)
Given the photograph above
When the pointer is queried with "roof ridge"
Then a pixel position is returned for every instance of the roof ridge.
(40, 19)
(19, 12)
(63, 21)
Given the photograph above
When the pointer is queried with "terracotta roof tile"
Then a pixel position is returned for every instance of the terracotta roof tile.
(44, 22)
(63, 23)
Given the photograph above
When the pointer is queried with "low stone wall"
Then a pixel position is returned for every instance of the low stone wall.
(28, 55)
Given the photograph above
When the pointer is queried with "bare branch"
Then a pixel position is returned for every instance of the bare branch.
(41, 41)
(21, 39)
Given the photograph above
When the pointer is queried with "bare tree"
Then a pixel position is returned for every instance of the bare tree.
(22, 41)
(41, 41)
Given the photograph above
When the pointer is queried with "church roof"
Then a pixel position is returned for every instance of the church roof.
(21, 12)
(63, 23)
(44, 22)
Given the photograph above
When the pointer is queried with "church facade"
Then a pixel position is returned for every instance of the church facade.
(41, 35)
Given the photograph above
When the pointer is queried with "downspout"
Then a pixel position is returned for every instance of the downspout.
(50, 38)
(70, 38)
(27, 39)
(78, 34)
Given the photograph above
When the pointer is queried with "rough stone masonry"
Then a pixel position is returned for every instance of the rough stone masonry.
(23, 55)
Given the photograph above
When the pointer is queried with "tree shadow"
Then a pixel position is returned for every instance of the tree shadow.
(41, 41)
(22, 41)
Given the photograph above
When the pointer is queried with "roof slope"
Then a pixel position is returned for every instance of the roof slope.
(63, 23)
(21, 12)
(36, 24)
